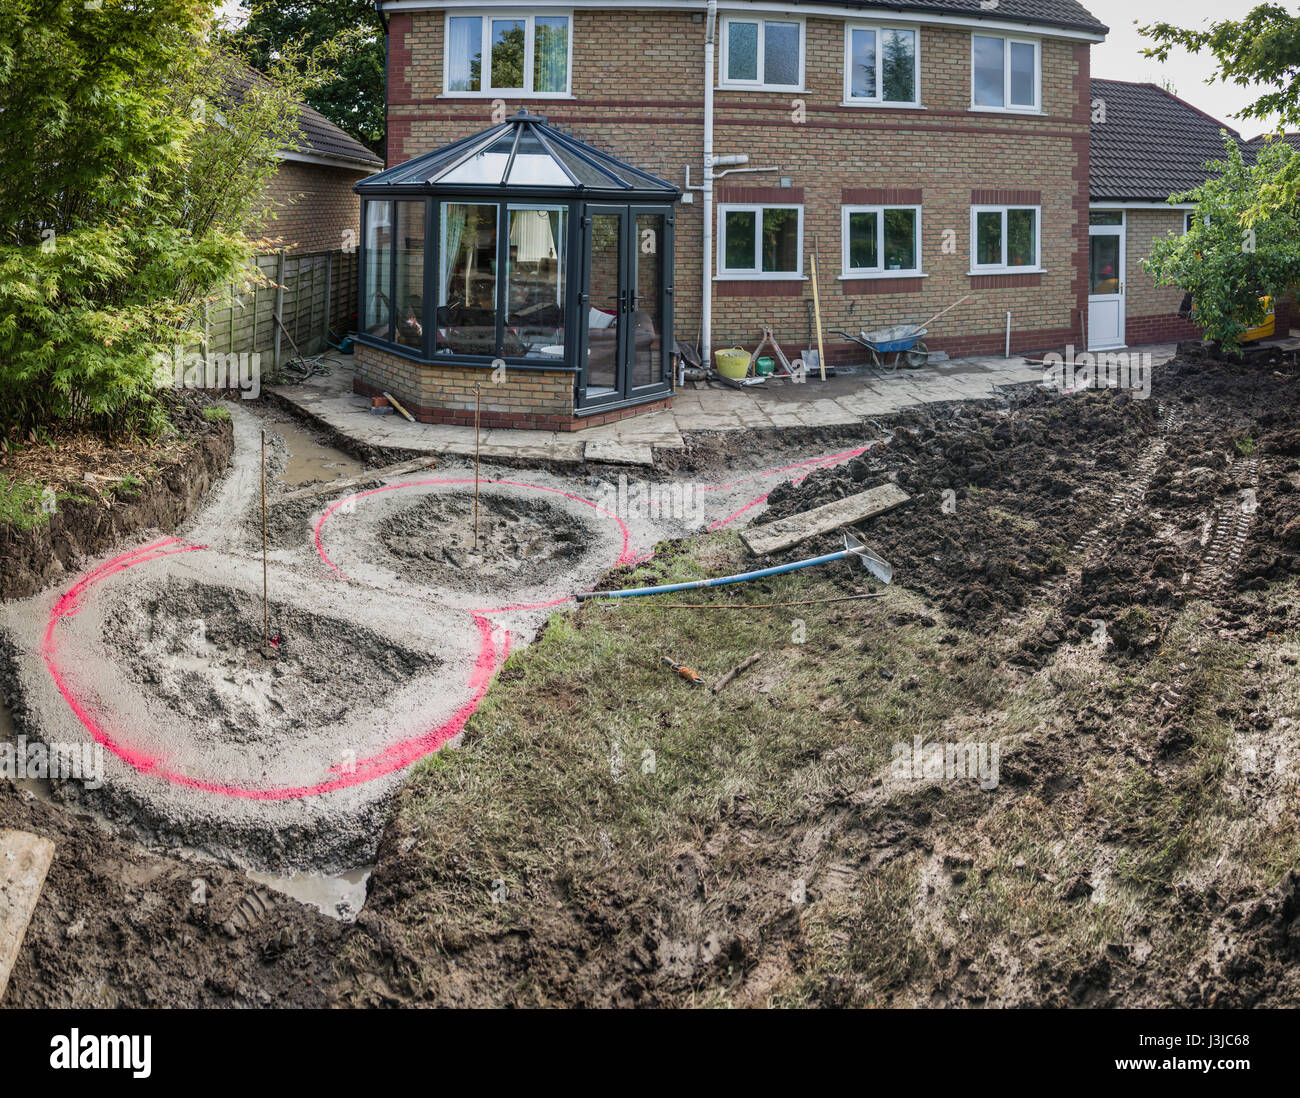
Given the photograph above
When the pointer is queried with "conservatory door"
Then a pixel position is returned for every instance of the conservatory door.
(627, 314)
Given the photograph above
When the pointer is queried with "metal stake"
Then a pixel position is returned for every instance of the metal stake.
(266, 606)
(478, 400)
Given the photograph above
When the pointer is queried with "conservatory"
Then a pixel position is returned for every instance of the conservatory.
(526, 264)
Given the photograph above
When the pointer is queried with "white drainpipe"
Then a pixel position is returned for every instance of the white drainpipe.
(706, 304)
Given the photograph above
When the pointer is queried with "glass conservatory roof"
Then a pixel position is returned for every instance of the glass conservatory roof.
(522, 152)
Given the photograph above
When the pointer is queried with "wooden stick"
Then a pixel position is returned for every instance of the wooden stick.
(926, 323)
(393, 401)
(266, 606)
(478, 400)
(747, 662)
(817, 312)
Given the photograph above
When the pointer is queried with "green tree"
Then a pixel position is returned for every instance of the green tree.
(340, 47)
(1261, 49)
(1225, 264)
(135, 155)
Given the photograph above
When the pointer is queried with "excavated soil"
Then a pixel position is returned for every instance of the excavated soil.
(198, 651)
(520, 541)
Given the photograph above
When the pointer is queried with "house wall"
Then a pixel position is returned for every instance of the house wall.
(637, 94)
(313, 207)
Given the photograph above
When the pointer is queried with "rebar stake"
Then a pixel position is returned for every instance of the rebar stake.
(478, 400)
(266, 607)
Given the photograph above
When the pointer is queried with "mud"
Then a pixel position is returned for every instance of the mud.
(518, 541)
(198, 650)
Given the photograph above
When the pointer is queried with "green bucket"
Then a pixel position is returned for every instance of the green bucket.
(764, 366)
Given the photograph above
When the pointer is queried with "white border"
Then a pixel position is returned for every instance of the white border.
(725, 83)
(860, 101)
(1007, 108)
(487, 14)
(1002, 268)
(756, 274)
(847, 272)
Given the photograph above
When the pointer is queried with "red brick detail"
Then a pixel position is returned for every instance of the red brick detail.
(997, 196)
(880, 196)
(1159, 329)
(786, 196)
(759, 287)
(399, 59)
(882, 285)
(1005, 282)
(1082, 85)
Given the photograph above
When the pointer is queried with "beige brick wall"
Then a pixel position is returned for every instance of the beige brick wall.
(526, 398)
(1142, 229)
(313, 206)
(637, 94)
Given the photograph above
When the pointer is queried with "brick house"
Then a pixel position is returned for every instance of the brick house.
(311, 192)
(1147, 145)
(922, 150)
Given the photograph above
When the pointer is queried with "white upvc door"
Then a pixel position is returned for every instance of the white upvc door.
(1106, 275)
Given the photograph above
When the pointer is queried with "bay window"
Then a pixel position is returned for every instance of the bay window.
(880, 65)
(492, 53)
(762, 53)
(760, 241)
(1005, 73)
(881, 241)
(1004, 239)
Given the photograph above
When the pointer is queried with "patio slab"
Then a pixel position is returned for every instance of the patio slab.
(839, 401)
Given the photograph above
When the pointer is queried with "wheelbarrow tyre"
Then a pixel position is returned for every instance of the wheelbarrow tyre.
(918, 355)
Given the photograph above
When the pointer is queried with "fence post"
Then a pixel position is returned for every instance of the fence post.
(329, 296)
(278, 315)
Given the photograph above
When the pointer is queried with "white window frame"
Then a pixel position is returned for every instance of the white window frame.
(850, 100)
(486, 90)
(756, 272)
(1002, 268)
(879, 271)
(762, 19)
(1007, 108)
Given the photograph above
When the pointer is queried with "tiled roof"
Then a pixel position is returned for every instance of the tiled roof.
(1066, 14)
(318, 135)
(1151, 145)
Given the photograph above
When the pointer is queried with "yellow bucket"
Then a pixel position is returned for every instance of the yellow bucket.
(733, 362)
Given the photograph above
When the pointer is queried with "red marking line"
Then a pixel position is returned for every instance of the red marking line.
(390, 759)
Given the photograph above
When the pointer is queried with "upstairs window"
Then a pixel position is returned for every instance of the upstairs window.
(490, 54)
(762, 53)
(880, 66)
(1004, 73)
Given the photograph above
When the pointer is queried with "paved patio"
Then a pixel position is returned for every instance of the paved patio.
(838, 401)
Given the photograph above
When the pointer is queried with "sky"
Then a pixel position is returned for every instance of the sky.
(1120, 56)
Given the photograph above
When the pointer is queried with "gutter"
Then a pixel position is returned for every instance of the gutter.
(706, 302)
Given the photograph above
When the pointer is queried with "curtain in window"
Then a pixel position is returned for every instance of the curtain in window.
(551, 54)
(464, 54)
(453, 225)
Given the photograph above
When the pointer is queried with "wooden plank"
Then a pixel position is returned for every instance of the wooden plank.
(413, 466)
(24, 861)
(772, 537)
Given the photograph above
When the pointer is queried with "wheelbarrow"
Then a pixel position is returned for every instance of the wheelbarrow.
(903, 341)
